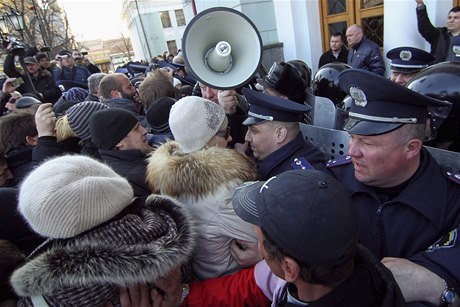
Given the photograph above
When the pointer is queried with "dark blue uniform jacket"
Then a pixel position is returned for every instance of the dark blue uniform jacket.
(427, 209)
(282, 160)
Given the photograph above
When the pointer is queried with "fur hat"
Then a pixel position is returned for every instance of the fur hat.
(68, 195)
(194, 121)
(78, 116)
(109, 126)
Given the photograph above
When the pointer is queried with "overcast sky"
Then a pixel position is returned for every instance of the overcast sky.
(92, 19)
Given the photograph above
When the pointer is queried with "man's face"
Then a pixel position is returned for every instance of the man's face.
(400, 77)
(453, 23)
(67, 61)
(353, 36)
(209, 93)
(128, 91)
(136, 139)
(377, 160)
(5, 174)
(336, 43)
(262, 139)
(44, 63)
(77, 57)
(32, 69)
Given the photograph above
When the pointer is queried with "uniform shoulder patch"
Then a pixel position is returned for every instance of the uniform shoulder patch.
(301, 163)
(337, 162)
(455, 177)
(446, 241)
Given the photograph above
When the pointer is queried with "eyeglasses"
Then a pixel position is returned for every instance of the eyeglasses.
(12, 100)
(225, 133)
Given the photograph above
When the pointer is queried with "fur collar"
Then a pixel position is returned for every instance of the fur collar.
(135, 248)
(196, 174)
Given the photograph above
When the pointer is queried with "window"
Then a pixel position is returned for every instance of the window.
(337, 15)
(172, 47)
(165, 20)
(180, 18)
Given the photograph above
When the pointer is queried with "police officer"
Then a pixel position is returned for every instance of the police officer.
(406, 62)
(404, 201)
(274, 135)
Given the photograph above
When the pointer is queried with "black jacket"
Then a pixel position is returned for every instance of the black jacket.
(439, 38)
(371, 285)
(328, 57)
(367, 56)
(404, 225)
(20, 164)
(130, 164)
(43, 83)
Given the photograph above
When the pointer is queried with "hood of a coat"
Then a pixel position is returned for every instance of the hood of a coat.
(174, 173)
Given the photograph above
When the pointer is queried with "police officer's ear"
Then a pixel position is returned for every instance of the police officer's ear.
(281, 133)
(413, 147)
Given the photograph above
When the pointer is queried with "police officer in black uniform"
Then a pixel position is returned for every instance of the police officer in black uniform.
(406, 62)
(274, 135)
(404, 201)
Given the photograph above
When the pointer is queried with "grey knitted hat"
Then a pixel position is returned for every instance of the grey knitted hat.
(78, 116)
(194, 121)
(68, 195)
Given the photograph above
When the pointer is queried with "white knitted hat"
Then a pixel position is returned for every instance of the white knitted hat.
(194, 121)
(68, 195)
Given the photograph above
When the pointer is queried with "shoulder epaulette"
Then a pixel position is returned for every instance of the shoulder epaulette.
(337, 162)
(455, 177)
(301, 163)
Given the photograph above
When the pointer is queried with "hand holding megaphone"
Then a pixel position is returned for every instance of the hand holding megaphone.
(228, 99)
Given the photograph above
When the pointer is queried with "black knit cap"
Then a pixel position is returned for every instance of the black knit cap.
(109, 126)
(158, 114)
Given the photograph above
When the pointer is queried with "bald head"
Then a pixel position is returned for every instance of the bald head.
(354, 35)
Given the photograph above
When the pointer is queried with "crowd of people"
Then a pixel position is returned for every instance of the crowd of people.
(156, 189)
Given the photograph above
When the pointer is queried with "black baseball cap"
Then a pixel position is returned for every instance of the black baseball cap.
(307, 213)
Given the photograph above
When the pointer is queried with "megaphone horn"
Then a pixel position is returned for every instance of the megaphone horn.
(222, 48)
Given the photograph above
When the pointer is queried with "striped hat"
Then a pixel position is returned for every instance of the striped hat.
(78, 116)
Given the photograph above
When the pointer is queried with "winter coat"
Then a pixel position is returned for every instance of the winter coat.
(77, 74)
(144, 242)
(205, 181)
(367, 56)
(130, 164)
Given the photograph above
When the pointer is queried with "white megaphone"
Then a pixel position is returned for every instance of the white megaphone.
(222, 48)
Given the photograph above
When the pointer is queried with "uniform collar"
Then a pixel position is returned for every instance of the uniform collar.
(422, 199)
(276, 158)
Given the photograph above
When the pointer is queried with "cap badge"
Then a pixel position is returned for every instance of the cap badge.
(405, 55)
(456, 50)
(359, 96)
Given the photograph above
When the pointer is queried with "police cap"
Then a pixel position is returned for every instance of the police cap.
(380, 105)
(408, 59)
(264, 107)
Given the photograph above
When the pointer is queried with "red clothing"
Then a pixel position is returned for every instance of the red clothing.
(239, 289)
